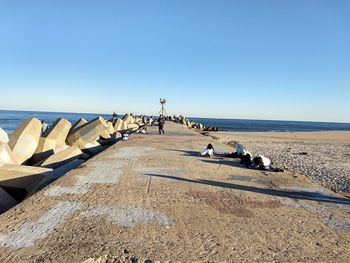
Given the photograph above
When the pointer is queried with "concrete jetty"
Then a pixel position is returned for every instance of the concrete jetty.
(152, 197)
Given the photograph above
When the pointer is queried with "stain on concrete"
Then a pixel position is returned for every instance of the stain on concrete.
(229, 203)
(108, 174)
(31, 232)
(101, 172)
(129, 216)
(133, 152)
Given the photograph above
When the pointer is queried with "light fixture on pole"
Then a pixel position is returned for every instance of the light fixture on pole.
(162, 111)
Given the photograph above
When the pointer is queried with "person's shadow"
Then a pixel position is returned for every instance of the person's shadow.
(301, 195)
(185, 152)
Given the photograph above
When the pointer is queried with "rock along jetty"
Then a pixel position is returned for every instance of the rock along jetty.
(31, 159)
(191, 125)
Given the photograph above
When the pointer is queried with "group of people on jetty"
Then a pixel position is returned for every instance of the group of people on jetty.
(151, 121)
(247, 159)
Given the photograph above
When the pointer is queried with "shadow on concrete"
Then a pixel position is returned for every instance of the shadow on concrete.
(219, 160)
(235, 162)
(232, 162)
(302, 195)
(186, 152)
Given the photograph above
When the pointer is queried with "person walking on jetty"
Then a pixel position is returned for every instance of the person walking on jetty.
(161, 123)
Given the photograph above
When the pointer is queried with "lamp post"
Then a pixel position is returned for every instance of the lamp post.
(162, 111)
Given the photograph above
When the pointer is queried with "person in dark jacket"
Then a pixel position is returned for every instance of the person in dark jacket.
(161, 123)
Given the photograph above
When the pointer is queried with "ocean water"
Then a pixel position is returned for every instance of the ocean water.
(10, 120)
(269, 125)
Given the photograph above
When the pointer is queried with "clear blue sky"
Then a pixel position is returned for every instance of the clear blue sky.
(257, 59)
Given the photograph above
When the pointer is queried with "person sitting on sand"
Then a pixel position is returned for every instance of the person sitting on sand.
(208, 151)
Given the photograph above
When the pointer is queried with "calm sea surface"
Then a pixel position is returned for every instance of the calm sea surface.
(9, 121)
(266, 125)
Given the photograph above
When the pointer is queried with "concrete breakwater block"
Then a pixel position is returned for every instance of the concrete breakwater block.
(45, 149)
(52, 141)
(55, 174)
(111, 129)
(6, 155)
(25, 139)
(3, 136)
(92, 148)
(88, 132)
(139, 121)
(21, 176)
(62, 157)
(105, 135)
(6, 201)
(118, 125)
(124, 126)
(133, 126)
(58, 132)
(76, 125)
(128, 119)
(114, 138)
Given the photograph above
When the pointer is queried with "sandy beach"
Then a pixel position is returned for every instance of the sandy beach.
(322, 156)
